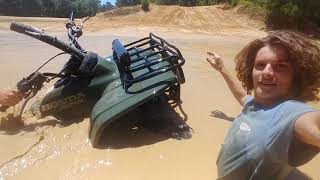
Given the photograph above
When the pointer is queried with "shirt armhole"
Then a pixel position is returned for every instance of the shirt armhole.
(299, 153)
(282, 135)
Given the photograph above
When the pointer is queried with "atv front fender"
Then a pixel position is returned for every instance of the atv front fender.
(118, 101)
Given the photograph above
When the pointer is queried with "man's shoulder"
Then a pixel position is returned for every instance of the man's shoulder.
(248, 99)
(296, 105)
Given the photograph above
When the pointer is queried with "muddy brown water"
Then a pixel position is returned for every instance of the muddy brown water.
(48, 149)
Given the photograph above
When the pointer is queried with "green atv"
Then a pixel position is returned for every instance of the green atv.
(144, 76)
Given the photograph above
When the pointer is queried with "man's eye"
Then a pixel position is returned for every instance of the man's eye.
(281, 67)
(259, 66)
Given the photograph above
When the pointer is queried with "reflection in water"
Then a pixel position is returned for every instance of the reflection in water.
(22, 155)
(15, 165)
(105, 162)
(43, 146)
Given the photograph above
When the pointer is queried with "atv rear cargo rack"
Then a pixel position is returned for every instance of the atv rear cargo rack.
(146, 58)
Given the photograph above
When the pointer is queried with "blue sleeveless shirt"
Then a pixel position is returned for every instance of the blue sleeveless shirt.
(260, 143)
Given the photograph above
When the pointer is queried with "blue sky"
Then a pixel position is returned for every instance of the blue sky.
(112, 1)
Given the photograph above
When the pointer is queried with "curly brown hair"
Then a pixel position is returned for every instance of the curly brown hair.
(304, 55)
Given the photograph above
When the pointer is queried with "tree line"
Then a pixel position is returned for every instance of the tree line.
(304, 15)
(298, 14)
(121, 3)
(49, 8)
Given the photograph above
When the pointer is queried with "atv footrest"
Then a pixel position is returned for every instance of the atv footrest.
(147, 58)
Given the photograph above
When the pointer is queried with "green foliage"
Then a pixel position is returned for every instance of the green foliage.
(167, 2)
(187, 2)
(106, 7)
(63, 8)
(51, 8)
(191, 2)
(254, 7)
(285, 13)
(121, 3)
(145, 5)
(293, 13)
(234, 2)
(291, 9)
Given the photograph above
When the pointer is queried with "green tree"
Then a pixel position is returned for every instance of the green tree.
(121, 3)
(187, 2)
(63, 8)
(31, 7)
(167, 2)
(10, 7)
(106, 7)
(48, 8)
(94, 6)
(145, 5)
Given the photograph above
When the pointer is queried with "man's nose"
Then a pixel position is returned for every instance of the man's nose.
(268, 70)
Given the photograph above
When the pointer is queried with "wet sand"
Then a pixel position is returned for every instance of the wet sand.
(48, 149)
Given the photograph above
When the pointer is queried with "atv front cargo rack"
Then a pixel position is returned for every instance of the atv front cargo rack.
(146, 58)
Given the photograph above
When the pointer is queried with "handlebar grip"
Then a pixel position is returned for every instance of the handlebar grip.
(53, 41)
(21, 28)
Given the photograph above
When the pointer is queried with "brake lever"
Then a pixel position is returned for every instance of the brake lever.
(76, 30)
(4, 108)
(33, 82)
(84, 20)
(29, 87)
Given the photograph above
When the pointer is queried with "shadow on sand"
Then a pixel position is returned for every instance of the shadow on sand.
(221, 115)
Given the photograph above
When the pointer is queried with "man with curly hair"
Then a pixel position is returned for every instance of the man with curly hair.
(275, 131)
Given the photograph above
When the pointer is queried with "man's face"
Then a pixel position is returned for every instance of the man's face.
(272, 75)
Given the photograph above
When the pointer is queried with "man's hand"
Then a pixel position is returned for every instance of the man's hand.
(215, 61)
(234, 85)
(10, 97)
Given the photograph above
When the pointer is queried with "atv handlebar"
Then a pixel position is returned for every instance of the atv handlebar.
(21, 28)
(40, 35)
(31, 85)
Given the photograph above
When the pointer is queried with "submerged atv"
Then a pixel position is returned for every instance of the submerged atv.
(146, 73)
